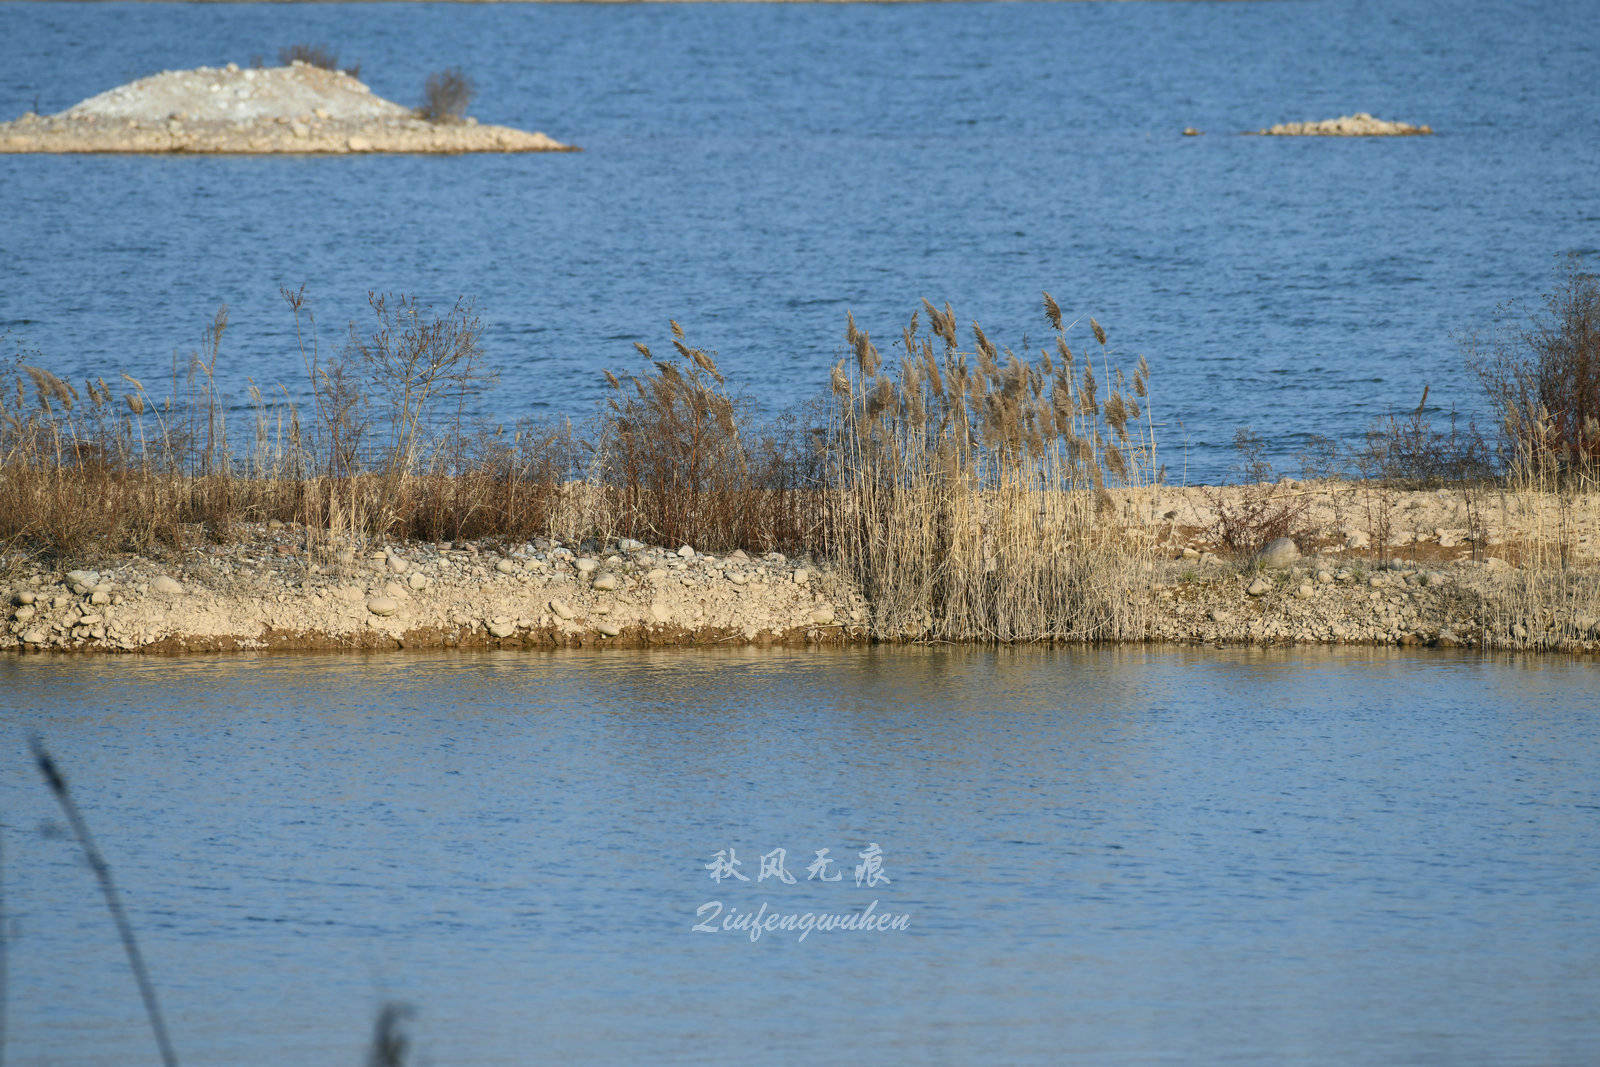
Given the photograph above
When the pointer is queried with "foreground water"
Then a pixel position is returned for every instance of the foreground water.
(1119, 856)
(756, 170)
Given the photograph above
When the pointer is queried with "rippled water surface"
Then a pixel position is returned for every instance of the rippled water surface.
(1107, 856)
(756, 170)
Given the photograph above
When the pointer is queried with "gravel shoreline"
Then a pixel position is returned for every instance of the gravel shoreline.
(266, 590)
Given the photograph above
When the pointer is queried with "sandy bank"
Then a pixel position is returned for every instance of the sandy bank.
(1441, 578)
(228, 110)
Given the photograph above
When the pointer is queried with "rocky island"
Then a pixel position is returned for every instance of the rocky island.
(1360, 124)
(297, 108)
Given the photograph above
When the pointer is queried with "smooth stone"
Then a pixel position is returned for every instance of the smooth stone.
(166, 586)
(1259, 587)
(397, 564)
(587, 565)
(24, 613)
(1279, 552)
(100, 596)
(25, 598)
(560, 609)
(502, 628)
(417, 581)
(383, 605)
(738, 577)
(605, 582)
(33, 637)
(608, 628)
(686, 552)
(822, 615)
(505, 566)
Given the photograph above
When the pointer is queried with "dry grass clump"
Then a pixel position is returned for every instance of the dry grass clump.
(1547, 601)
(682, 461)
(386, 448)
(969, 485)
(386, 452)
(122, 472)
(445, 96)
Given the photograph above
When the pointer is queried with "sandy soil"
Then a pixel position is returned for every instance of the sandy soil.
(298, 108)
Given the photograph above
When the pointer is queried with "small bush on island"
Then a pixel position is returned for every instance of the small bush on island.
(316, 55)
(1265, 508)
(445, 96)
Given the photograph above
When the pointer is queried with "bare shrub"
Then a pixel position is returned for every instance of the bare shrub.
(316, 55)
(1414, 453)
(445, 96)
(1543, 379)
(1261, 508)
(91, 471)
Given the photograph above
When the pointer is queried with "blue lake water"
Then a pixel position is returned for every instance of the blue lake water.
(1110, 856)
(754, 171)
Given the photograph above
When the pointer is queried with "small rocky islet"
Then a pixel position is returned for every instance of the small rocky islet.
(1360, 124)
(297, 108)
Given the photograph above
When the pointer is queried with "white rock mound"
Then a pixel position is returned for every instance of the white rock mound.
(298, 109)
(231, 94)
(1360, 124)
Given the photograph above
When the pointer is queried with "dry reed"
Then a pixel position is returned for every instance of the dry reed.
(969, 487)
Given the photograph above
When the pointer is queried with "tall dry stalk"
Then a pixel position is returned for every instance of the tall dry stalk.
(1546, 601)
(679, 459)
(970, 490)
